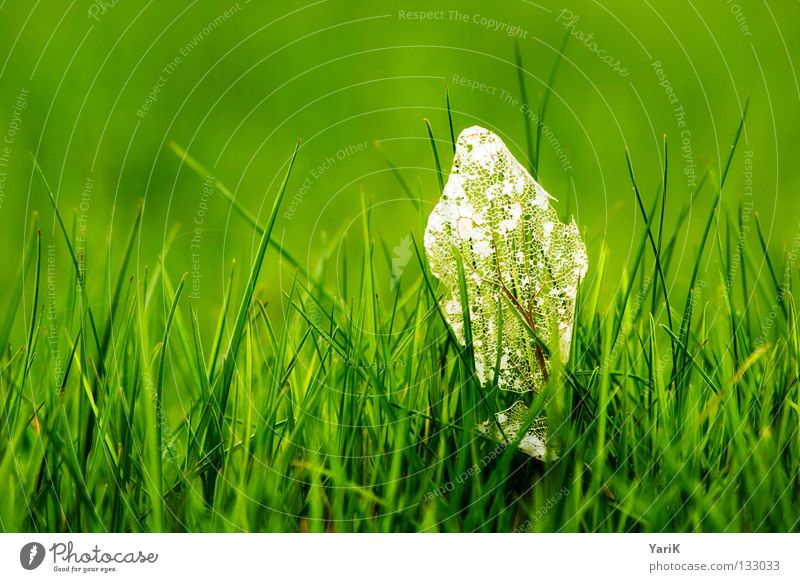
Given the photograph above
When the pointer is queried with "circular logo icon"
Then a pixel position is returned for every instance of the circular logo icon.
(31, 555)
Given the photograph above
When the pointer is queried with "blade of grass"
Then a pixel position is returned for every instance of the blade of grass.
(548, 90)
(653, 245)
(526, 122)
(223, 384)
(437, 164)
(450, 118)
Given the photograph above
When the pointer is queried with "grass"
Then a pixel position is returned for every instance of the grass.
(356, 413)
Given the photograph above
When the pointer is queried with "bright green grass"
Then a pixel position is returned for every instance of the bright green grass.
(355, 412)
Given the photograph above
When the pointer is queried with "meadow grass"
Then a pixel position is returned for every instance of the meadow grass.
(354, 410)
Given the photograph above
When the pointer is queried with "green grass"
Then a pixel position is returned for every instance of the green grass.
(355, 412)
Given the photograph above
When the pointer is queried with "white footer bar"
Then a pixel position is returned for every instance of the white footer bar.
(402, 557)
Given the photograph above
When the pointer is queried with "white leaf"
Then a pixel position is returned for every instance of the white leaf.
(522, 265)
(508, 423)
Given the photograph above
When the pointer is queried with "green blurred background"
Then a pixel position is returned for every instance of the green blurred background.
(238, 83)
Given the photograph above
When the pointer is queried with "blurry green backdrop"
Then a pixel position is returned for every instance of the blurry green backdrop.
(98, 90)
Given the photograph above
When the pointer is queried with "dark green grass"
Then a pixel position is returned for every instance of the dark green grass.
(324, 413)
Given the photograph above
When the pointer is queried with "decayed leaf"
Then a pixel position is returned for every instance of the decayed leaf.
(508, 423)
(522, 265)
